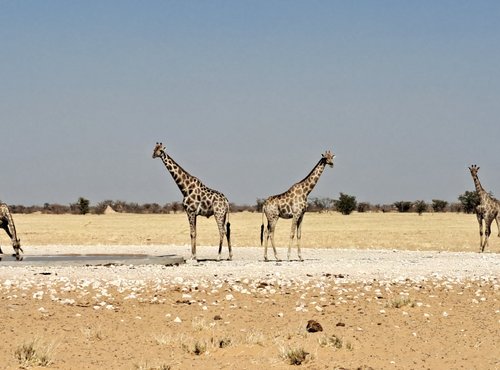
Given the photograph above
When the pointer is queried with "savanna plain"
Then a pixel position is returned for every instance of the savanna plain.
(375, 291)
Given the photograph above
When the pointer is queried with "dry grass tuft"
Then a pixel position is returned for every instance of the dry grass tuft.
(34, 353)
(401, 302)
(255, 337)
(331, 341)
(294, 356)
(146, 366)
(92, 333)
(222, 342)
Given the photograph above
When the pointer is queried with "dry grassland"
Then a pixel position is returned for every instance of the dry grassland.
(56, 318)
(431, 231)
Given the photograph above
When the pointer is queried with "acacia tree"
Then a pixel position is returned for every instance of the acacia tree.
(402, 206)
(439, 205)
(469, 200)
(82, 206)
(420, 206)
(346, 204)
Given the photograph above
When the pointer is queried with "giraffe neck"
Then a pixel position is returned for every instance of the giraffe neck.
(10, 223)
(477, 184)
(310, 181)
(484, 196)
(181, 177)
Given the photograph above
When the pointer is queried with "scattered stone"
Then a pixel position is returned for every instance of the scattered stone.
(341, 324)
(217, 317)
(313, 326)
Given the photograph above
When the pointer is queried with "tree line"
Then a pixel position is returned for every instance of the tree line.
(345, 204)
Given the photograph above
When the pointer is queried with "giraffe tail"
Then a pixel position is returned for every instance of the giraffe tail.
(262, 229)
(228, 230)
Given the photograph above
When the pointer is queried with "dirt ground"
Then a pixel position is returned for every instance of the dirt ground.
(65, 321)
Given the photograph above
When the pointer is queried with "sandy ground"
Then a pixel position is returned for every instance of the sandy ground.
(396, 308)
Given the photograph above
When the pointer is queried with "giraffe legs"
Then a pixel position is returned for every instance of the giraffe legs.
(222, 233)
(299, 236)
(487, 232)
(296, 225)
(192, 228)
(480, 221)
(292, 235)
(271, 226)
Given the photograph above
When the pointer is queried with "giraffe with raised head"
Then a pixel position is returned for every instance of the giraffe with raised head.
(199, 200)
(487, 210)
(7, 223)
(291, 204)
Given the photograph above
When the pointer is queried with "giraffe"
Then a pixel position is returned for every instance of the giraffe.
(291, 204)
(487, 210)
(7, 223)
(199, 200)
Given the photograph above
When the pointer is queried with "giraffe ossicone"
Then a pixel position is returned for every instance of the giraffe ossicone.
(291, 204)
(199, 200)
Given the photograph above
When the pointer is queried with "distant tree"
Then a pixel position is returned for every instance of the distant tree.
(402, 206)
(101, 207)
(420, 206)
(456, 207)
(83, 206)
(319, 204)
(259, 203)
(363, 207)
(439, 205)
(346, 204)
(176, 206)
(469, 200)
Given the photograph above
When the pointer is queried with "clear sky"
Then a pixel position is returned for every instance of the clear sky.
(247, 95)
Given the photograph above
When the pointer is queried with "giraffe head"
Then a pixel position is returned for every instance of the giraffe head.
(159, 150)
(17, 247)
(474, 169)
(328, 157)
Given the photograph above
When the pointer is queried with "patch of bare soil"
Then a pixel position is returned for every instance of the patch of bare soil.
(248, 323)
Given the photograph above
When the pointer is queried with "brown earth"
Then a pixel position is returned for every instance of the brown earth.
(234, 322)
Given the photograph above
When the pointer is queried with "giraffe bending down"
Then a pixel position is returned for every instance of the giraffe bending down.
(7, 223)
(291, 204)
(487, 210)
(199, 200)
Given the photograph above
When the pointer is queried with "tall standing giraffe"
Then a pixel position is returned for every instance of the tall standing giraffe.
(487, 210)
(291, 204)
(7, 223)
(199, 200)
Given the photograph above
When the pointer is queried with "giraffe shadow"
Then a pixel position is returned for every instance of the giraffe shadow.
(212, 260)
(291, 260)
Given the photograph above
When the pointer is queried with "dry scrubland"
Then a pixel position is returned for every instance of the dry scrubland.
(431, 231)
(248, 314)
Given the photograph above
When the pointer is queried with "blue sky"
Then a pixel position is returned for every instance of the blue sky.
(246, 95)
